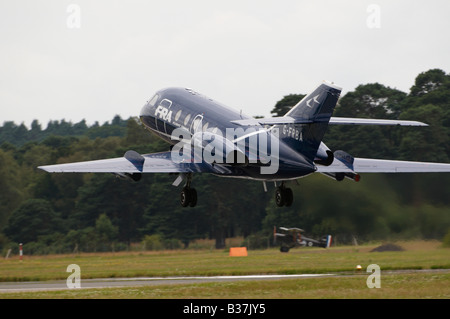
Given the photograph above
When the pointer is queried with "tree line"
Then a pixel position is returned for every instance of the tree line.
(60, 213)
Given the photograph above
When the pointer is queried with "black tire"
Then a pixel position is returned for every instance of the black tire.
(284, 249)
(185, 197)
(193, 197)
(279, 197)
(288, 197)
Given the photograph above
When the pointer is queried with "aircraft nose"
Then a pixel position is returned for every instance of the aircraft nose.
(145, 110)
(149, 107)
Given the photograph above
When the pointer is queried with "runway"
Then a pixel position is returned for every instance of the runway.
(138, 281)
(30, 286)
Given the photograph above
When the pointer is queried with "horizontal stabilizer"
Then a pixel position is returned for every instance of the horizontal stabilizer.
(272, 121)
(285, 120)
(361, 121)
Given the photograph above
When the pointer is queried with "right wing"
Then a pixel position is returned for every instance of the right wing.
(369, 165)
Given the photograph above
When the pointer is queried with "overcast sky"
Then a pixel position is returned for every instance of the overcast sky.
(91, 60)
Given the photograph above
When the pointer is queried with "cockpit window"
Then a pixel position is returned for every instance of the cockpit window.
(153, 100)
(166, 103)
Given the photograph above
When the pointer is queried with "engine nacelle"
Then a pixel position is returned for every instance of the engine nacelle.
(324, 155)
(131, 177)
(340, 176)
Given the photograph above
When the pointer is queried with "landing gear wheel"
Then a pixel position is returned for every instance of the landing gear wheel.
(284, 249)
(193, 197)
(283, 196)
(289, 197)
(185, 197)
(279, 197)
(188, 197)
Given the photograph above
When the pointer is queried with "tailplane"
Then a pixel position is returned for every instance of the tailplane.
(304, 126)
(310, 120)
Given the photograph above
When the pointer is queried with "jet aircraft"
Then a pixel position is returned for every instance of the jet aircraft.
(206, 136)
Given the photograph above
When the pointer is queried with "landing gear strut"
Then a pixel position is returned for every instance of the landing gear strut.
(188, 196)
(283, 196)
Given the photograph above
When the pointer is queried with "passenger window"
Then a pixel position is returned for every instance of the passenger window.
(177, 116)
(186, 119)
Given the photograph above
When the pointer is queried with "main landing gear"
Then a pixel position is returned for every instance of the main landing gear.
(283, 196)
(188, 196)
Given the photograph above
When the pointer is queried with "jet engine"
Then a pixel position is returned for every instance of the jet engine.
(131, 177)
(324, 155)
(340, 176)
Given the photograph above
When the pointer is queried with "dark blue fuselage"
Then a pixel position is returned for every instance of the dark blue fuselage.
(191, 112)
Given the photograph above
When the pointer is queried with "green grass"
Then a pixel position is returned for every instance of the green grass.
(393, 286)
(343, 260)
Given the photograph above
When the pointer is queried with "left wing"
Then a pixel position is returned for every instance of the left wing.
(132, 162)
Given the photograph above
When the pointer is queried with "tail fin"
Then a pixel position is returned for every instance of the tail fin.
(315, 108)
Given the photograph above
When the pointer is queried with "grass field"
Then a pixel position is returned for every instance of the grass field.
(418, 255)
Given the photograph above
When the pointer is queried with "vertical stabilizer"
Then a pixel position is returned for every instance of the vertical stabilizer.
(317, 107)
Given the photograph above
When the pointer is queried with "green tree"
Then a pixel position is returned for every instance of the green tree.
(367, 101)
(12, 191)
(429, 143)
(286, 103)
(106, 232)
(371, 101)
(34, 218)
(428, 82)
(121, 200)
(428, 101)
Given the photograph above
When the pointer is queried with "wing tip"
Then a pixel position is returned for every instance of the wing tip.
(47, 169)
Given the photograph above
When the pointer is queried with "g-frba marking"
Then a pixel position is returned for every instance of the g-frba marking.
(293, 132)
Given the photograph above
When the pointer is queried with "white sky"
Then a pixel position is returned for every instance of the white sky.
(246, 54)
